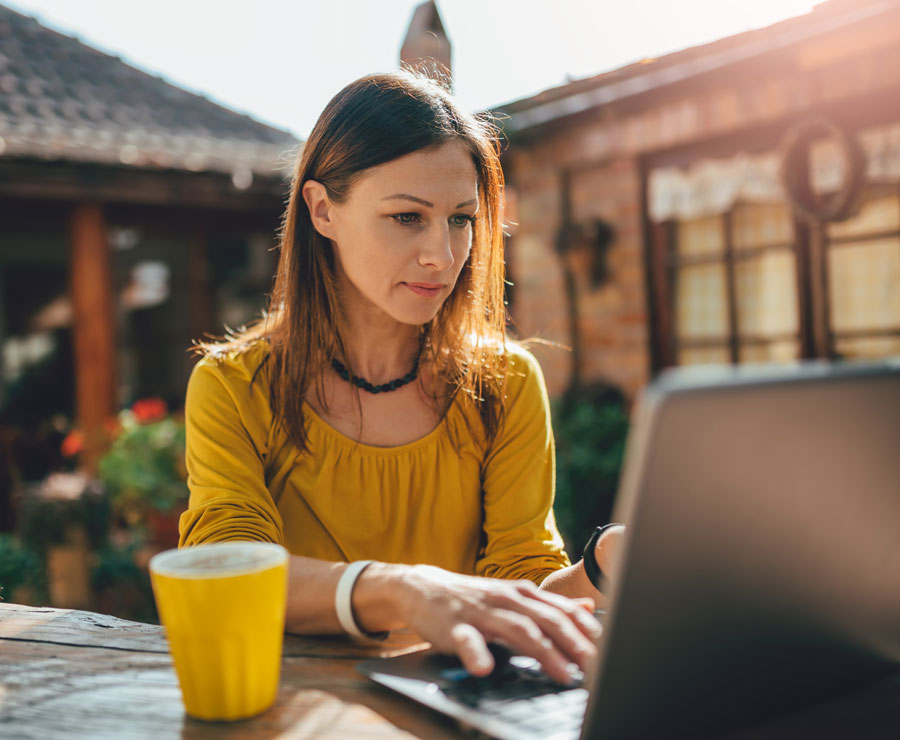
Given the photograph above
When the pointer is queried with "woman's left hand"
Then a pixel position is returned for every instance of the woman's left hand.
(607, 549)
(573, 581)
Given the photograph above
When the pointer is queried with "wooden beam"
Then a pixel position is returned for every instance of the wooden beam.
(198, 284)
(35, 179)
(818, 279)
(734, 345)
(93, 327)
(853, 113)
(662, 238)
(805, 292)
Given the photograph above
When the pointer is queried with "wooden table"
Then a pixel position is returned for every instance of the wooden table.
(73, 674)
(69, 674)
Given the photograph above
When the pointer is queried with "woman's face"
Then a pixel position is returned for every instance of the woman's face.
(403, 233)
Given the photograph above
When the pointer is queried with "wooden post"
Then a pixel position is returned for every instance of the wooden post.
(662, 239)
(93, 328)
(198, 284)
(734, 342)
(805, 302)
(819, 286)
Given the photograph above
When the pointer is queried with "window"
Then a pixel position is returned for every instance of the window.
(755, 284)
(863, 276)
(734, 285)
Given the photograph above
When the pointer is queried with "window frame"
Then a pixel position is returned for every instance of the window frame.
(816, 336)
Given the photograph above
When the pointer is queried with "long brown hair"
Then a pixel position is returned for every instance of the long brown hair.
(374, 120)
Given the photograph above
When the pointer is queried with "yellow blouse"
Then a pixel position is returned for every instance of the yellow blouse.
(445, 499)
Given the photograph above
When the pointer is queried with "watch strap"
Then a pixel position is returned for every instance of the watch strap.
(593, 571)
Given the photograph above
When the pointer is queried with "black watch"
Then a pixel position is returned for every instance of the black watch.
(594, 574)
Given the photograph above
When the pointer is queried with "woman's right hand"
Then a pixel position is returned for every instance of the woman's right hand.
(460, 614)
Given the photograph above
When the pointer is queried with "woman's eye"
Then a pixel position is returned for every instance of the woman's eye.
(407, 219)
(460, 220)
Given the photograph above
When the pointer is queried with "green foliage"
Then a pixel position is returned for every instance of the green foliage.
(19, 566)
(49, 509)
(144, 468)
(115, 565)
(122, 586)
(590, 444)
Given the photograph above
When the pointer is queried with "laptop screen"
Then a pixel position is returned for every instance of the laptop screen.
(761, 565)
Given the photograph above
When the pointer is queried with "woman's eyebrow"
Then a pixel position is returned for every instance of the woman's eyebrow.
(404, 196)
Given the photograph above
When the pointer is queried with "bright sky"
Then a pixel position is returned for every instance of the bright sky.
(281, 61)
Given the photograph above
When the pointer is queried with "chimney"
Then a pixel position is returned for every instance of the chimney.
(426, 45)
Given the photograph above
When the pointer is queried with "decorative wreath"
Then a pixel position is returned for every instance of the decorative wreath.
(794, 172)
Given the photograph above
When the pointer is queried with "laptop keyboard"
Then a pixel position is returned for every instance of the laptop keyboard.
(520, 695)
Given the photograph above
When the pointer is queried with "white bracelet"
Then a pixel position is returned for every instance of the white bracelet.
(342, 604)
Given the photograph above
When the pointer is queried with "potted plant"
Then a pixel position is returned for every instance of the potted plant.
(21, 577)
(144, 470)
(64, 519)
(121, 584)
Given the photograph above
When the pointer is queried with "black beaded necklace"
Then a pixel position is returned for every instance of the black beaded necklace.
(391, 385)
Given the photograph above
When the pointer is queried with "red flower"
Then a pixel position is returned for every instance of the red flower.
(112, 427)
(149, 409)
(72, 444)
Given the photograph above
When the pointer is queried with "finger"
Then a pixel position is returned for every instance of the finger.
(580, 611)
(555, 624)
(471, 647)
(590, 606)
(525, 637)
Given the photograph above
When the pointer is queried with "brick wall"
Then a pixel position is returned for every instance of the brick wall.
(603, 149)
(613, 326)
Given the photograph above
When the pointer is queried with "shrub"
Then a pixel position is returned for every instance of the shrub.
(590, 443)
(122, 587)
(49, 509)
(19, 566)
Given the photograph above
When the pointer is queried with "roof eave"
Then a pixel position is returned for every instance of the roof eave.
(661, 77)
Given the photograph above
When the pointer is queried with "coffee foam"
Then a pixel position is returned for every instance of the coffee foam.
(218, 560)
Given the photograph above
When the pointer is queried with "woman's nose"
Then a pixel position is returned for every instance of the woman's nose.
(437, 249)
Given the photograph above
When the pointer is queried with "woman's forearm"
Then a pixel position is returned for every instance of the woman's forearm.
(574, 583)
(311, 587)
(456, 613)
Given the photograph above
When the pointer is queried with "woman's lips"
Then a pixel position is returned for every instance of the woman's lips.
(425, 289)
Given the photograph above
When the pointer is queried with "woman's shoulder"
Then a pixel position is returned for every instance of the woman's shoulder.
(524, 402)
(233, 365)
(520, 361)
(523, 371)
(511, 353)
(520, 373)
(226, 395)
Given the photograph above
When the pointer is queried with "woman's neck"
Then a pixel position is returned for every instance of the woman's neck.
(380, 349)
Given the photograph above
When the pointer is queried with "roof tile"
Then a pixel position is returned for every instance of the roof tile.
(65, 100)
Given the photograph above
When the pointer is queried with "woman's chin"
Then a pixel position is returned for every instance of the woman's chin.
(416, 313)
(415, 318)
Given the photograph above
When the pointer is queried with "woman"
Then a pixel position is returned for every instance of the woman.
(378, 411)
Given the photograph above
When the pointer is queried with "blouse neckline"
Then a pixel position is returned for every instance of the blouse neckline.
(370, 449)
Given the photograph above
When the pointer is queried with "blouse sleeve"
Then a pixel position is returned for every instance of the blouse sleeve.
(225, 449)
(521, 538)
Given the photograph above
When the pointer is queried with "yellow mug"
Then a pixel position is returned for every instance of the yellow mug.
(223, 608)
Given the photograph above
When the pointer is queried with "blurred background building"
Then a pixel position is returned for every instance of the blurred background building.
(136, 217)
(734, 202)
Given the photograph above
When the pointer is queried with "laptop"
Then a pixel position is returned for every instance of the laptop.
(760, 569)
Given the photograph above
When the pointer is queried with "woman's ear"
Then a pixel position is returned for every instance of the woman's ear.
(321, 209)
